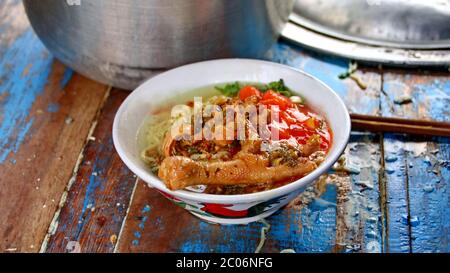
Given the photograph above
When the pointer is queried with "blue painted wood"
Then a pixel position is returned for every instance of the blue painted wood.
(362, 212)
(417, 168)
(100, 193)
(38, 148)
(398, 239)
(429, 197)
(24, 69)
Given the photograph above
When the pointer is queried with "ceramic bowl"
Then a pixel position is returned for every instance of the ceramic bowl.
(227, 209)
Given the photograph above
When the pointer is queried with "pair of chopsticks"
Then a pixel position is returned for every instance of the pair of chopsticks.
(400, 125)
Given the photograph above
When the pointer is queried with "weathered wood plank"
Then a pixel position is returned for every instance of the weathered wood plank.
(38, 149)
(99, 196)
(398, 237)
(429, 93)
(337, 214)
(360, 215)
(419, 219)
(429, 197)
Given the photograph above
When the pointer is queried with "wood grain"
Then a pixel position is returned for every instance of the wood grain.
(38, 149)
(417, 168)
(360, 216)
(42, 166)
(100, 193)
(394, 161)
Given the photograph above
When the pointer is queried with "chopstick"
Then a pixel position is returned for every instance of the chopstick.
(400, 125)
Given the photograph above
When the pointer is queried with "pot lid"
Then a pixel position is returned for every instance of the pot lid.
(405, 24)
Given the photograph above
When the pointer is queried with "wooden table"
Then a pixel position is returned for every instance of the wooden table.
(63, 187)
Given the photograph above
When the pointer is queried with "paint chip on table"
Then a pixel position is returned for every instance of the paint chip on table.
(11, 249)
(113, 239)
(68, 120)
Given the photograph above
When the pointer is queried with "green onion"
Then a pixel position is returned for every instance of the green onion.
(229, 90)
(279, 87)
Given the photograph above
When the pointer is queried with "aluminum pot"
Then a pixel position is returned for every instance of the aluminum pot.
(123, 42)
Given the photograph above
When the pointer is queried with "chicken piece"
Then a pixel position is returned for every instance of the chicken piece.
(179, 172)
(250, 166)
(167, 144)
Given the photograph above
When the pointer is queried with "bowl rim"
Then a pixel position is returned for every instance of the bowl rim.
(237, 198)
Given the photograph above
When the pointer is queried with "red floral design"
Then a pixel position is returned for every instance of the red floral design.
(171, 197)
(222, 210)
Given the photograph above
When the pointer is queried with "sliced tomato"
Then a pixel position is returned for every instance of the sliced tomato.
(248, 91)
(279, 130)
(300, 133)
(298, 115)
(270, 94)
(273, 102)
(273, 98)
(285, 116)
(295, 122)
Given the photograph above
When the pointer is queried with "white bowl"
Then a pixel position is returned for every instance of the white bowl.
(227, 209)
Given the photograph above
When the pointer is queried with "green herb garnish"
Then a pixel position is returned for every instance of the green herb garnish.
(232, 89)
(279, 87)
(229, 90)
